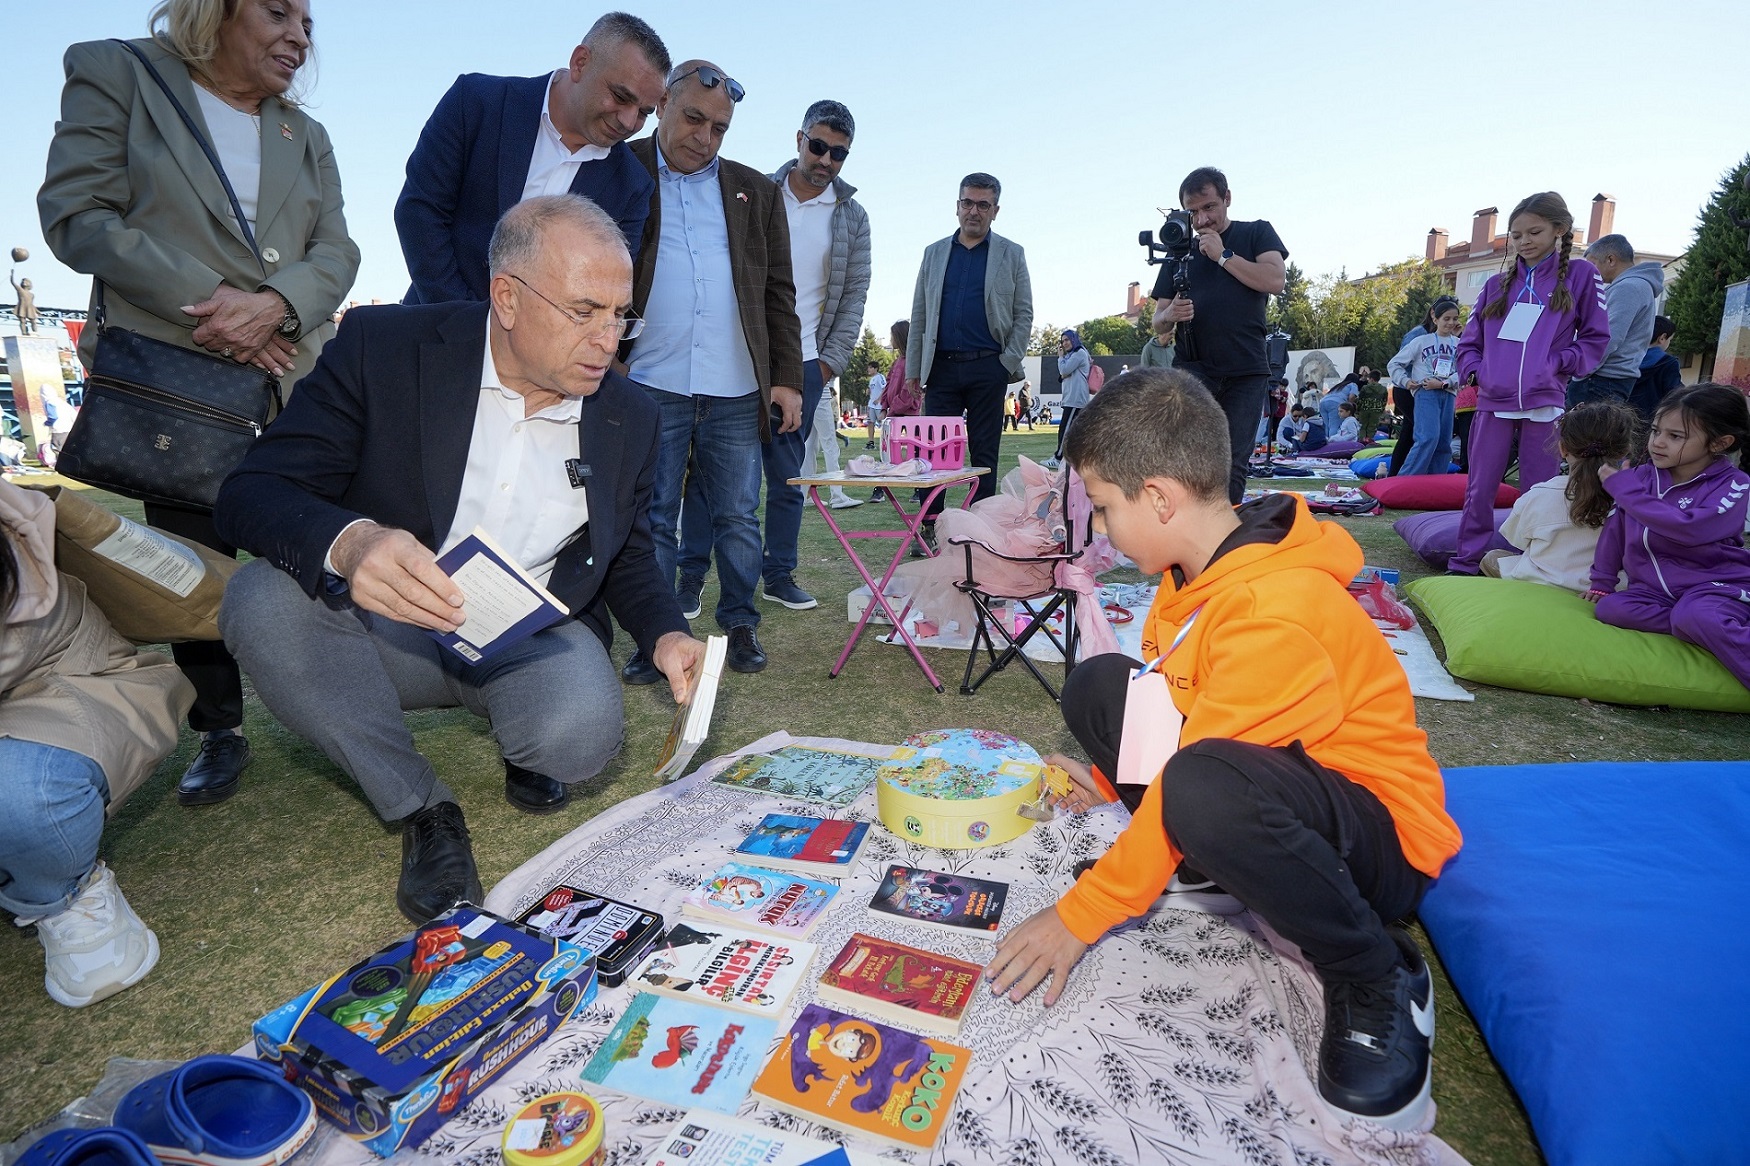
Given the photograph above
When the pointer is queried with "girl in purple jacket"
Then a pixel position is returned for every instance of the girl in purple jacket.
(1535, 327)
(1678, 529)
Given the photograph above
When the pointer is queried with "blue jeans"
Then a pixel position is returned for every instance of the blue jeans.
(1328, 413)
(784, 503)
(49, 832)
(711, 454)
(1432, 452)
(1597, 388)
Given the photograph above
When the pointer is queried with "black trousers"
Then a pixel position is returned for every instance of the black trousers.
(976, 388)
(1310, 852)
(1063, 429)
(218, 685)
(1242, 399)
(1461, 426)
(1404, 400)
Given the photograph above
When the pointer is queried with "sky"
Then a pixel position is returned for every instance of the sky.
(1352, 127)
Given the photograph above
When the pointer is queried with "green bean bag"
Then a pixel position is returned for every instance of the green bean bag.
(1534, 638)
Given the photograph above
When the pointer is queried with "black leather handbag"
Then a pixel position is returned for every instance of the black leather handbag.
(160, 422)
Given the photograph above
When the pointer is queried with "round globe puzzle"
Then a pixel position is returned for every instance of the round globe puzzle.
(958, 789)
(20, 254)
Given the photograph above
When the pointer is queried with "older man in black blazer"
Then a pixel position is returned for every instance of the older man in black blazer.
(418, 425)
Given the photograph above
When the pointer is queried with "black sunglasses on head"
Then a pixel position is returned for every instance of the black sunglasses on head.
(711, 78)
(818, 148)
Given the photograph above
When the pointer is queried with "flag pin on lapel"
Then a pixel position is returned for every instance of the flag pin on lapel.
(285, 131)
(742, 195)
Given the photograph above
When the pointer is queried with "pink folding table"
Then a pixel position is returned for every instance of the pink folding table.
(934, 484)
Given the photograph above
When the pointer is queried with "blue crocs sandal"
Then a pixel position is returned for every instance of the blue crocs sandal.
(219, 1111)
(102, 1147)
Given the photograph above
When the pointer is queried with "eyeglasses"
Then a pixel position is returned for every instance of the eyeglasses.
(711, 78)
(819, 148)
(977, 204)
(626, 327)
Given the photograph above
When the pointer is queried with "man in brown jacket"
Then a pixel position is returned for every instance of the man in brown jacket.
(721, 351)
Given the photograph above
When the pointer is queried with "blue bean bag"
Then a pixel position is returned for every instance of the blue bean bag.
(1596, 925)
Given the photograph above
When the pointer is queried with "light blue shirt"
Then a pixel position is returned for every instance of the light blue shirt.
(692, 343)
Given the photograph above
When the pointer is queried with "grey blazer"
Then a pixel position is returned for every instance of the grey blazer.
(1008, 305)
(131, 199)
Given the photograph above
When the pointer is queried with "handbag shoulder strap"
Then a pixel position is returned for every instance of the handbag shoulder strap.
(206, 148)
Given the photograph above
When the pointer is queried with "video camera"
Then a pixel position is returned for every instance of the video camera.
(1176, 244)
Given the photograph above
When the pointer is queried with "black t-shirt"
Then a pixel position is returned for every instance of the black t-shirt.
(1227, 337)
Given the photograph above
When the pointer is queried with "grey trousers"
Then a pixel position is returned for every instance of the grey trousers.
(342, 679)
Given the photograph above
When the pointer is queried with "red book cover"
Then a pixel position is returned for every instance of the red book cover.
(894, 977)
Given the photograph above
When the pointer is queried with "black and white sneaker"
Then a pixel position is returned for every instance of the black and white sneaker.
(1375, 1058)
(786, 592)
(689, 600)
(1189, 891)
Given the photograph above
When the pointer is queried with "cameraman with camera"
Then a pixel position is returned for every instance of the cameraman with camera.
(1214, 288)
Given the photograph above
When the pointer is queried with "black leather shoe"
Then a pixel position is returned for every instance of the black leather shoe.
(437, 863)
(639, 670)
(532, 792)
(745, 653)
(217, 770)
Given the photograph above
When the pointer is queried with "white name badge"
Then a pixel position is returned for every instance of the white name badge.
(1520, 321)
(1152, 723)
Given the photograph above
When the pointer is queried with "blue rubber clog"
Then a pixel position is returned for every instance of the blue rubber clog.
(102, 1147)
(219, 1111)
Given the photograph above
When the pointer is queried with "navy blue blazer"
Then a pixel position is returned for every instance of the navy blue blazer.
(380, 429)
(469, 168)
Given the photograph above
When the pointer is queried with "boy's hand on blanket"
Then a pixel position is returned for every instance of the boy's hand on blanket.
(1592, 596)
(1085, 792)
(1040, 947)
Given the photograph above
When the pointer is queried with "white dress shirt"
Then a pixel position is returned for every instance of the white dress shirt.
(237, 140)
(552, 165)
(810, 259)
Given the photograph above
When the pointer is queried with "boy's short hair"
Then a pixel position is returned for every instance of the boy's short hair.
(1663, 326)
(1153, 423)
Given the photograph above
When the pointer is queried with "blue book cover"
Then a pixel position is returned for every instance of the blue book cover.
(682, 1054)
(797, 841)
(502, 602)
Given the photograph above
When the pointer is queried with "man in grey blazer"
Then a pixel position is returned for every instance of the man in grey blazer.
(971, 315)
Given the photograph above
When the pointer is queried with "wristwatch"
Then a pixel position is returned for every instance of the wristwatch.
(289, 326)
(1225, 256)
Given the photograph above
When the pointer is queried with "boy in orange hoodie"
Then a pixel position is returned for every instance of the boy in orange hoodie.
(1301, 784)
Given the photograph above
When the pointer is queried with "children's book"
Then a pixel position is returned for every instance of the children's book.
(798, 771)
(767, 900)
(958, 903)
(702, 1138)
(863, 1077)
(692, 721)
(903, 984)
(503, 603)
(680, 1053)
(725, 965)
(809, 845)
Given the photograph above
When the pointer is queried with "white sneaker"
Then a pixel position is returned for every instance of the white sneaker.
(97, 946)
(844, 502)
(1202, 895)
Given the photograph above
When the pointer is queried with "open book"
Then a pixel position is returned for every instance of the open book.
(692, 720)
(504, 603)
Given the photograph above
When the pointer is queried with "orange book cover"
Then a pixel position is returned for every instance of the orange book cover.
(861, 1076)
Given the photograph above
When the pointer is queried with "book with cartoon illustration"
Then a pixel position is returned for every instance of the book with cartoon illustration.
(909, 986)
(863, 1077)
(958, 903)
(719, 964)
(798, 771)
(682, 1054)
(763, 899)
(799, 843)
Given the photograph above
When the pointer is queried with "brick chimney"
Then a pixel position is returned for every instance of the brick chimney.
(1482, 231)
(1436, 244)
(1603, 217)
(1132, 299)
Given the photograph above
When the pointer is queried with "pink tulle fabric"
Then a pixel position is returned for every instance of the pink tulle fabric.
(1024, 518)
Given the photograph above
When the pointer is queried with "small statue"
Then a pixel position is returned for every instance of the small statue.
(27, 313)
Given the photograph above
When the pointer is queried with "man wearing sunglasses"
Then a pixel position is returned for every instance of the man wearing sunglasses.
(721, 354)
(829, 256)
(419, 425)
(971, 316)
(494, 141)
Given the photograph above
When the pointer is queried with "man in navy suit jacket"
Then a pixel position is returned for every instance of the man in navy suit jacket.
(418, 425)
(494, 141)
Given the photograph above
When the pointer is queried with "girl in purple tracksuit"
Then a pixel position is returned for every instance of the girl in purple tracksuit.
(1535, 327)
(1678, 529)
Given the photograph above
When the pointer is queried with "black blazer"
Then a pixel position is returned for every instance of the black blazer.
(380, 429)
(469, 168)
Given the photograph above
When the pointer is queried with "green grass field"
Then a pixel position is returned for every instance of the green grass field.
(258, 898)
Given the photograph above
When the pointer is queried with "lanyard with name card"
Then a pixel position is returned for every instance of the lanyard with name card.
(1524, 314)
(1152, 722)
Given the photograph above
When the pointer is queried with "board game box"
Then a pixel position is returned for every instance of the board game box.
(395, 1045)
(618, 934)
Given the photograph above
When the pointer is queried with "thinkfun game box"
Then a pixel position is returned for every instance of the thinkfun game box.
(398, 1043)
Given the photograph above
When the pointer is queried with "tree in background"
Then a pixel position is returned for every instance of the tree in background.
(1718, 257)
(1116, 335)
(854, 381)
(1043, 341)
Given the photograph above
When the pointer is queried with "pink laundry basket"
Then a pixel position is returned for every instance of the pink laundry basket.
(941, 441)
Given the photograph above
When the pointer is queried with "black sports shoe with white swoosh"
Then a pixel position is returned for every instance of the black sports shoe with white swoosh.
(1375, 1059)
